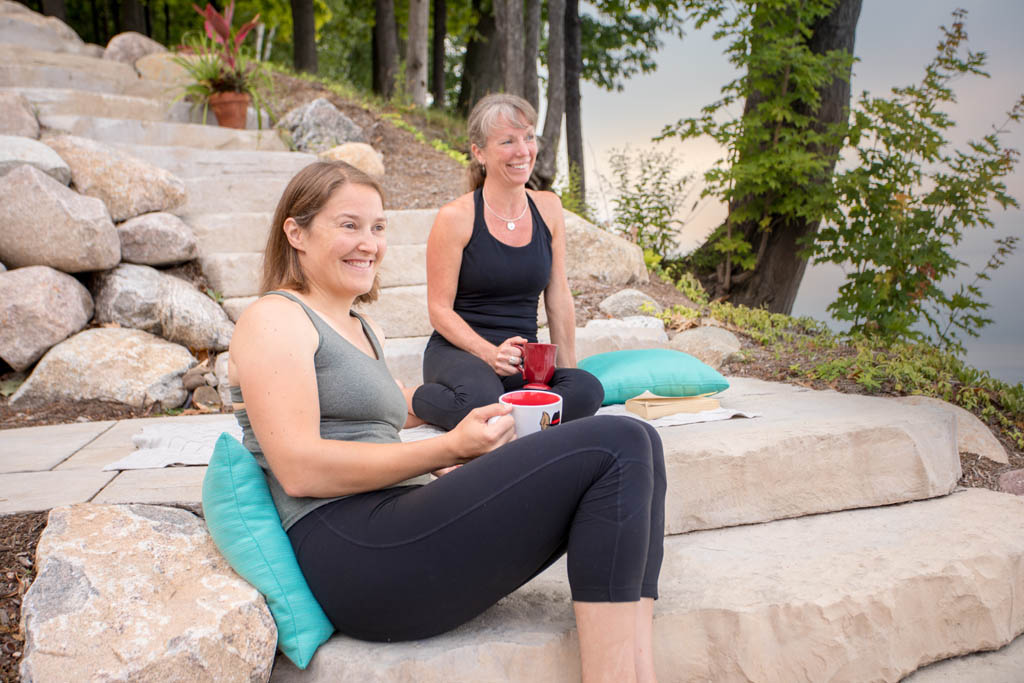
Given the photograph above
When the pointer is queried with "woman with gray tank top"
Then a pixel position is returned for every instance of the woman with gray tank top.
(389, 551)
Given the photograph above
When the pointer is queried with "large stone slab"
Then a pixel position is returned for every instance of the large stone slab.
(220, 233)
(193, 162)
(404, 357)
(140, 593)
(39, 307)
(128, 186)
(46, 224)
(1005, 665)
(112, 364)
(40, 32)
(229, 193)
(808, 452)
(601, 336)
(403, 265)
(972, 435)
(168, 133)
(401, 311)
(26, 67)
(57, 101)
(409, 226)
(863, 595)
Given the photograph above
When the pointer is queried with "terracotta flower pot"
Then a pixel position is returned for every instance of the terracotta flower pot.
(230, 108)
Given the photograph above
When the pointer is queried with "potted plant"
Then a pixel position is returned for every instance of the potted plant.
(222, 77)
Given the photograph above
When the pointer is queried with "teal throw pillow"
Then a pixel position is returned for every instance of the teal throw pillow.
(664, 372)
(244, 524)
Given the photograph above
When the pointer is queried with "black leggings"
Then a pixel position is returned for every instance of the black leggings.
(412, 562)
(455, 382)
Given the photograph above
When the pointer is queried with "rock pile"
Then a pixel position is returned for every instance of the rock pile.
(86, 228)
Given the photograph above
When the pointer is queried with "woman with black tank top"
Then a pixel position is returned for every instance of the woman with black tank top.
(490, 255)
(388, 551)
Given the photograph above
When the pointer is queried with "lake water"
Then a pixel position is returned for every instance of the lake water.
(894, 42)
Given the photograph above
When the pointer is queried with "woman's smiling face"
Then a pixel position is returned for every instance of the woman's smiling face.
(510, 151)
(341, 250)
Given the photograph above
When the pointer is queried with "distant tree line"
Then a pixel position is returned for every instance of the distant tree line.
(446, 54)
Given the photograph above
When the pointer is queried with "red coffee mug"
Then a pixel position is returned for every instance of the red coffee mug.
(538, 364)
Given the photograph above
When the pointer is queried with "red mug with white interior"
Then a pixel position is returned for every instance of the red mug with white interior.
(533, 410)
(538, 364)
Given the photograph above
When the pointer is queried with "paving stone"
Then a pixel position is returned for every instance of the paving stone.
(808, 452)
(37, 449)
(404, 357)
(401, 311)
(34, 491)
(862, 595)
(972, 435)
(409, 226)
(167, 486)
(116, 442)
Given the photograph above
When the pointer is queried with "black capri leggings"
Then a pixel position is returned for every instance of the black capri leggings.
(455, 382)
(412, 562)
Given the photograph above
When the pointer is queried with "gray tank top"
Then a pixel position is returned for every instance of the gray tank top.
(359, 401)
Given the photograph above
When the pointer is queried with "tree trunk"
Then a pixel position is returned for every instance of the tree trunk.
(531, 84)
(132, 17)
(385, 49)
(775, 280)
(508, 15)
(55, 8)
(573, 118)
(416, 51)
(481, 73)
(437, 80)
(304, 36)
(545, 169)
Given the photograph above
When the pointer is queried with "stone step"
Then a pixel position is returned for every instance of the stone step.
(196, 162)
(163, 133)
(244, 193)
(32, 30)
(66, 101)
(861, 595)
(25, 67)
(247, 231)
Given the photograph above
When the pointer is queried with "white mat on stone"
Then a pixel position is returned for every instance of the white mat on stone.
(168, 445)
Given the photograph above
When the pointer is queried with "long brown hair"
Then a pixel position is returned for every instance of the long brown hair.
(484, 118)
(302, 200)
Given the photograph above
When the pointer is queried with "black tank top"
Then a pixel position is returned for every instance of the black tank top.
(499, 286)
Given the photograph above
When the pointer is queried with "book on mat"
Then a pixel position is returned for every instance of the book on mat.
(650, 406)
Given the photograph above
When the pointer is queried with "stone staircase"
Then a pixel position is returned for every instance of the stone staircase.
(823, 540)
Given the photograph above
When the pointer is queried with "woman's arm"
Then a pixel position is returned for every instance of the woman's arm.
(448, 237)
(557, 296)
(272, 353)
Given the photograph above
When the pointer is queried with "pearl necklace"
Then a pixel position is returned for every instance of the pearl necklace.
(510, 223)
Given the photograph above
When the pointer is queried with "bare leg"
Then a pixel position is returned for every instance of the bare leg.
(645, 642)
(607, 632)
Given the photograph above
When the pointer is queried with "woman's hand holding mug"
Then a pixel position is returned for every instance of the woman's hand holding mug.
(508, 356)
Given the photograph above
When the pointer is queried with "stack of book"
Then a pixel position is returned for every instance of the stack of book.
(651, 406)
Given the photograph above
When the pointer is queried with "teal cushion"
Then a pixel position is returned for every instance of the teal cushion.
(664, 372)
(244, 524)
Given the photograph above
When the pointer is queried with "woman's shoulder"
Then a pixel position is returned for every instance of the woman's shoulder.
(550, 206)
(455, 220)
(459, 207)
(272, 311)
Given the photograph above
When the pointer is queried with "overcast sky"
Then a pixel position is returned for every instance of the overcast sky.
(895, 39)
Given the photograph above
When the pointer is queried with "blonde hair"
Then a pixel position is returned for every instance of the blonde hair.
(306, 195)
(484, 119)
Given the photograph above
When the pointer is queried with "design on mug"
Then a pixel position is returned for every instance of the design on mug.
(550, 420)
